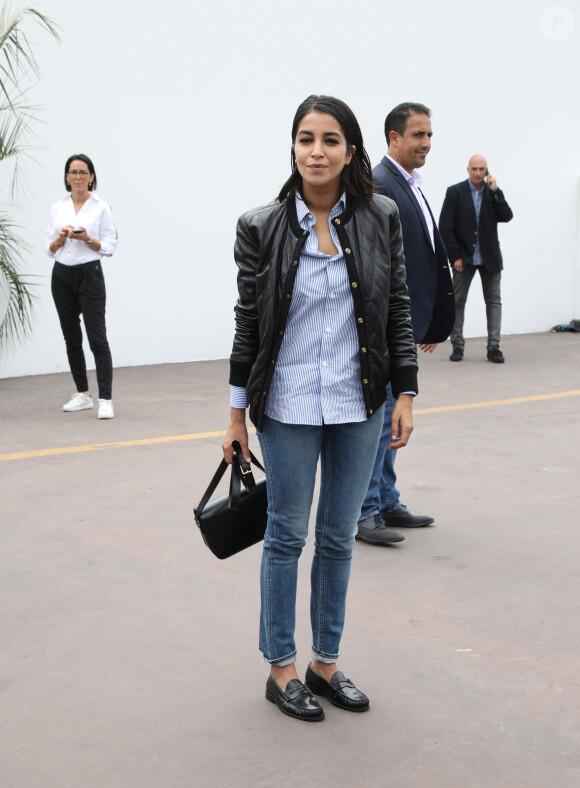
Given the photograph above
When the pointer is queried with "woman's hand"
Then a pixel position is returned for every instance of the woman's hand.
(60, 239)
(84, 236)
(237, 431)
(402, 422)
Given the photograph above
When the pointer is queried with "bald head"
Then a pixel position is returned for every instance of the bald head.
(477, 170)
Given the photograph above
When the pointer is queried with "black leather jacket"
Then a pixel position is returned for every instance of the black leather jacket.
(267, 252)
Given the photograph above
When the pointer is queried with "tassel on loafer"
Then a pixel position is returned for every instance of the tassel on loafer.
(340, 691)
(297, 700)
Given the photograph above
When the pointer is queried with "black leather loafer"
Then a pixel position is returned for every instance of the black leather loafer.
(340, 691)
(297, 700)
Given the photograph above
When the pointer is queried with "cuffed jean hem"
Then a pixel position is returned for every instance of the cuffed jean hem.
(328, 659)
(281, 663)
(368, 515)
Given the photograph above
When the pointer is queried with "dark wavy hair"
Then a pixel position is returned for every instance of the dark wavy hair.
(397, 118)
(90, 165)
(357, 178)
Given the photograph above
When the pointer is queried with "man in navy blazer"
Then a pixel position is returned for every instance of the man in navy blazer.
(468, 224)
(408, 132)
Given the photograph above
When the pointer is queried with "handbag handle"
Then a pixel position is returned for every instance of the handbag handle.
(245, 466)
(241, 473)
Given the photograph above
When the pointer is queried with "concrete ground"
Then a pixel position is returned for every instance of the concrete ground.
(128, 653)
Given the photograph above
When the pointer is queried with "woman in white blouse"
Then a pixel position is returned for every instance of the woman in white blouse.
(80, 232)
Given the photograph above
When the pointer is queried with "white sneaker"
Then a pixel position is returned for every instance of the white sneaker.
(106, 409)
(78, 401)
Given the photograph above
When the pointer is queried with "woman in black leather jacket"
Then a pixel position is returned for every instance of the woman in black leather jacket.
(322, 324)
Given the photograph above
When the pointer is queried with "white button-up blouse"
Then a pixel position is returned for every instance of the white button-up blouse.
(97, 219)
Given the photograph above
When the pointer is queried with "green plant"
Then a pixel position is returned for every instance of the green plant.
(18, 72)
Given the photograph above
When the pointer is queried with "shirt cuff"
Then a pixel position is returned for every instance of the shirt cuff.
(238, 397)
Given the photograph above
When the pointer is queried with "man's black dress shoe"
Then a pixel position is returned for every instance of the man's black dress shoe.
(495, 355)
(457, 354)
(373, 530)
(401, 517)
(340, 691)
(297, 700)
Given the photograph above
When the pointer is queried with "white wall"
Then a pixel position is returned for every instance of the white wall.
(186, 109)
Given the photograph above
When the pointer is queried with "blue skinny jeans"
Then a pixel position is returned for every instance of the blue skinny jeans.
(291, 453)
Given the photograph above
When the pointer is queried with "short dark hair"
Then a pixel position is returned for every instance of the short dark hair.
(356, 179)
(90, 165)
(397, 118)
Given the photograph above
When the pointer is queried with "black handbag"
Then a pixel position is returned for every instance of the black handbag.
(238, 520)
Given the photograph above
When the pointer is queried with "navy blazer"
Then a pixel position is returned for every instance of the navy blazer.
(428, 275)
(458, 225)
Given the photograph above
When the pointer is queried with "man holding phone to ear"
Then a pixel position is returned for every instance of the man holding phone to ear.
(468, 225)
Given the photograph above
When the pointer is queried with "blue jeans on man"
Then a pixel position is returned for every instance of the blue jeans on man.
(382, 493)
(382, 505)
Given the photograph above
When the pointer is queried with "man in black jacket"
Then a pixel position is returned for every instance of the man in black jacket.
(468, 225)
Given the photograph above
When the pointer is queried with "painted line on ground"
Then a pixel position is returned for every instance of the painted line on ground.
(26, 455)
(491, 403)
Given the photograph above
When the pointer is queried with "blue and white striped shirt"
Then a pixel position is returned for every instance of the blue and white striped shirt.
(317, 375)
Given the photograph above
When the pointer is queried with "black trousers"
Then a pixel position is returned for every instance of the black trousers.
(80, 290)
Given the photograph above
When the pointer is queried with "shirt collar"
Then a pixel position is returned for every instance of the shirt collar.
(92, 196)
(413, 179)
(474, 189)
(302, 210)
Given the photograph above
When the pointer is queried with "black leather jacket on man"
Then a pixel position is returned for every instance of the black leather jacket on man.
(267, 252)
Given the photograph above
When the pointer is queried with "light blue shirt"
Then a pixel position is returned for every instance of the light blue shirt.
(415, 181)
(317, 379)
(477, 195)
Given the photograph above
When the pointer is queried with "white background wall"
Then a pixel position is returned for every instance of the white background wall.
(186, 110)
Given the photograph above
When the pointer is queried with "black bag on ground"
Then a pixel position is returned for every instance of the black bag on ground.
(238, 520)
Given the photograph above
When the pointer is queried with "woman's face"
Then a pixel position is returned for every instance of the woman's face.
(321, 151)
(78, 176)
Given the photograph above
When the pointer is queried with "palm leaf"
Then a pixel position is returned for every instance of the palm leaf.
(20, 297)
(18, 72)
